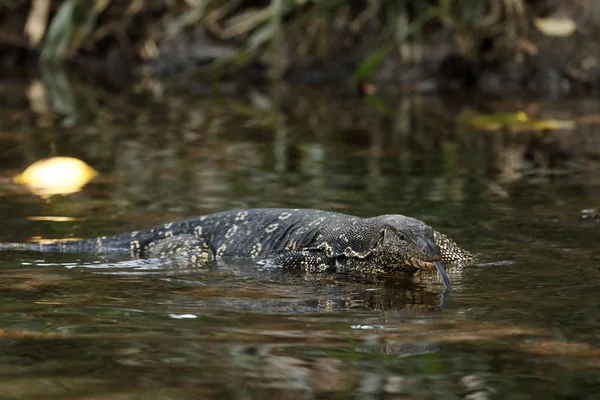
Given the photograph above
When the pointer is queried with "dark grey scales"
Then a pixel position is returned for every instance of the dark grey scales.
(298, 239)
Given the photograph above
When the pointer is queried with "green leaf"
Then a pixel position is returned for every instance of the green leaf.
(370, 63)
(59, 33)
(73, 22)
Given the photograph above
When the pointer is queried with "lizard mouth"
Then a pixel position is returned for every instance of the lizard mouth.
(423, 264)
(430, 265)
(420, 264)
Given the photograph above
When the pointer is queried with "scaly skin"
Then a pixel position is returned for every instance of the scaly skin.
(300, 239)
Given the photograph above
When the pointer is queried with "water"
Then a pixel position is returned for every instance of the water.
(523, 325)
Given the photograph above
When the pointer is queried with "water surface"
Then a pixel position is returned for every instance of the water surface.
(525, 325)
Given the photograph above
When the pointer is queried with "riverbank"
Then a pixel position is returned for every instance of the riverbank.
(489, 46)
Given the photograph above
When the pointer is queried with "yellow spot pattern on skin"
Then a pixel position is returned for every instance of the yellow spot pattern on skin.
(206, 253)
(322, 267)
(255, 250)
(198, 231)
(285, 215)
(202, 218)
(231, 231)
(134, 247)
(221, 251)
(169, 234)
(350, 252)
(167, 226)
(315, 265)
(328, 249)
(271, 228)
(317, 221)
(240, 216)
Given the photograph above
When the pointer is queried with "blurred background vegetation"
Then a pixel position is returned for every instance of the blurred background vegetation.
(95, 67)
(426, 45)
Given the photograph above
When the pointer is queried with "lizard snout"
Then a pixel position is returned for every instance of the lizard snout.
(430, 250)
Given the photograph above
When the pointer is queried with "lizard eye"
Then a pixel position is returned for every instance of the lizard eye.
(392, 235)
(402, 236)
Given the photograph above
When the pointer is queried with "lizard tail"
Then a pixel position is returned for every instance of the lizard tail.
(24, 246)
(66, 246)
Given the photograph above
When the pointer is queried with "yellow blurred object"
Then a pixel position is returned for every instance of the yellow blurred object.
(494, 122)
(550, 125)
(56, 175)
(514, 122)
(54, 219)
(559, 27)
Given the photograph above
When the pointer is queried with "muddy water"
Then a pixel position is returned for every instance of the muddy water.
(523, 325)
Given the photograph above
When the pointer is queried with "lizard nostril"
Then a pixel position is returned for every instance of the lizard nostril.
(432, 251)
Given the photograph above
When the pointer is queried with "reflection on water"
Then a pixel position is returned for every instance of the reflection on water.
(522, 326)
(56, 175)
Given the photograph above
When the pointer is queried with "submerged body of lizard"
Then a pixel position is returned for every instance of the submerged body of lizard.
(298, 239)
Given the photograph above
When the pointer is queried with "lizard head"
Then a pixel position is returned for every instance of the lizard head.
(406, 243)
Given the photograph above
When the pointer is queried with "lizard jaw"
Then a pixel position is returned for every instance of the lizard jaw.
(429, 265)
(422, 264)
